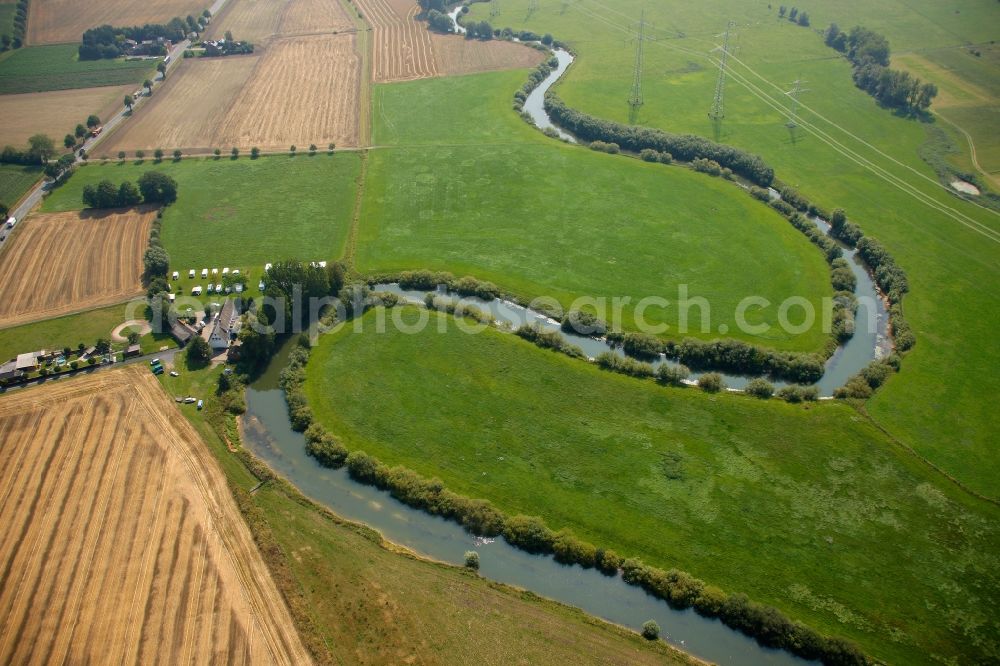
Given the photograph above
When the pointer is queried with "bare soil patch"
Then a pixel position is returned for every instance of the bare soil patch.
(55, 113)
(67, 262)
(124, 544)
(454, 55)
(403, 49)
(186, 112)
(60, 21)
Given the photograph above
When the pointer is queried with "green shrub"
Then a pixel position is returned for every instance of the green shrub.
(529, 533)
(624, 365)
(650, 630)
(711, 382)
(472, 560)
(584, 323)
(672, 375)
(759, 388)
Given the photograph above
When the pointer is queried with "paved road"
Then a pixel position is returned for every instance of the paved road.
(166, 357)
(176, 54)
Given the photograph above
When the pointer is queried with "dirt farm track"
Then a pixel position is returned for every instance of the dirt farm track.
(122, 542)
(65, 262)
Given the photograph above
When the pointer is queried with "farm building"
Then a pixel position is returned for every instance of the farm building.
(29, 361)
(9, 371)
(226, 326)
(133, 350)
(181, 332)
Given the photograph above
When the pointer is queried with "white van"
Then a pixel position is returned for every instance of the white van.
(191, 273)
(176, 276)
(196, 291)
(204, 272)
(11, 221)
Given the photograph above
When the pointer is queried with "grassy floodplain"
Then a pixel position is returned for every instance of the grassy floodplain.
(241, 213)
(15, 181)
(355, 598)
(56, 67)
(480, 192)
(936, 404)
(807, 508)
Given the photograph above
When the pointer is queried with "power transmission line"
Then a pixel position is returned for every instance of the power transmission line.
(635, 99)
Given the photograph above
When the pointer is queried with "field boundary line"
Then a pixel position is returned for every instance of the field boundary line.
(972, 148)
(861, 409)
(352, 233)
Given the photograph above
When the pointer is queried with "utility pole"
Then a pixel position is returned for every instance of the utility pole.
(718, 104)
(532, 7)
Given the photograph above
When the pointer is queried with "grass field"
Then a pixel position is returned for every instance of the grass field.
(357, 599)
(479, 192)
(120, 511)
(242, 213)
(15, 181)
(71, 330)
(43, 68)
(8, 10)
(807, 508)
(936, 405)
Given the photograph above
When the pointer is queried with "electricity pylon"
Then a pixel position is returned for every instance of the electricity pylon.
(718, 111)
(635, 98)
(794, 93)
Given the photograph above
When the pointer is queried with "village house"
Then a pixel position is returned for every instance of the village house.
(9, 371)
(225, 327)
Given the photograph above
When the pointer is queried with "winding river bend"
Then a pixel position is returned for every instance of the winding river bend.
(267, 433)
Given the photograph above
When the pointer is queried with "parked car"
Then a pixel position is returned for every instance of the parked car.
(155, 361)
(174, 373)
(200, 404)
(190, 401)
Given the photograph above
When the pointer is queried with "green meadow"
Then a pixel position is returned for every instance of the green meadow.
(480, 192)
(242, 213)
(808, 507)
(936, 405)
(15, 181)
(56, 67)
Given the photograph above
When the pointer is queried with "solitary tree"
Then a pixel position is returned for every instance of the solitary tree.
(102, 346)
(41, 148)
(472, 560)
(216, 152)
(133, 337)
(148, 85)
(199, 351)
(93, 121)
(292, 149)
(158, 154)
(161, 67)
(177, 154)
(80, 130)
(69, 141)
(332, 146)
(128, 102)
(158, 187)
(254, 152)
(235, 152)
(121, 155)
(312, 149)
(139, 154)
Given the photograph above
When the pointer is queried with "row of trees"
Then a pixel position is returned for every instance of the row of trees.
(39, 151)
(154, 187)
(530, 533)
(869, 52)
(685, 147)
(20, 27)
(794, 15)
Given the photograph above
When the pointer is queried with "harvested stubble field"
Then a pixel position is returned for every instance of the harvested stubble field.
(187, 110)
(59, 21)
(302, 90)
(403, 47)
(454, 55)
(125, 544)
(259, 20)
(55, 113)
(66, 262)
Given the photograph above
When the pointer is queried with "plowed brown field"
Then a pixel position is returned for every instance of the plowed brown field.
(58, 21)
(455, 55)
(403, 49)
(55, 113)
(122, 542)
(66, 262)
